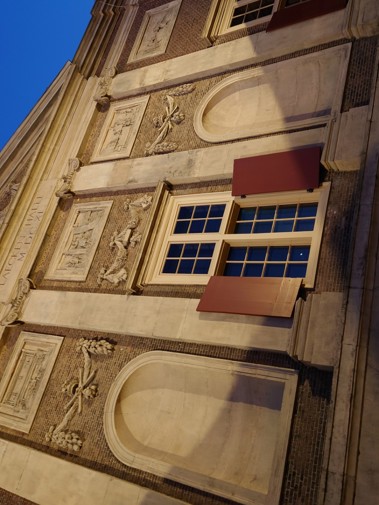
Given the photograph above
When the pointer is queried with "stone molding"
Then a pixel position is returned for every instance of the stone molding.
(120, 129)
(65, 189)
(79, 240)
(25, 379)
(14, 307)
(190, 435)
(155, 31)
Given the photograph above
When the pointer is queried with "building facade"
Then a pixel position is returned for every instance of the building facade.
(189, 228)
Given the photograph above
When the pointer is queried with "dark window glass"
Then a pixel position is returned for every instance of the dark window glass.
(170, 266)
(246, 214)
(185, 212)
(190, 250)
(299, 253)
(201, 211)
(263, 227)
(206, 250)
(181, 227)
(213, 225)
(266, 213)
(296, 270)
(274, 270)
(307, 210)
(253, 270)
(202, 266)
(243, 228)
(305, 225)
(217, 210)
(237, 253)
(256, 253)
(286, 211)
(233, 269)
(283, 226)
(186, 266)
(175, 250)
(277, 254)
(197, 226)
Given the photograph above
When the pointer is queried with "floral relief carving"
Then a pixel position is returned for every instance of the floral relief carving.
(129, 236)
(79, 389)
(15, 305)
(102, 96)
(165, 122)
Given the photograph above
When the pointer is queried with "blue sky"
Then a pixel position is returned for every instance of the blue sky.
(37, 37)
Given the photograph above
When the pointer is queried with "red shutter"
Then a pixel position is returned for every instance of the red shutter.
(255, 296)
(286, 171)
(303, 11)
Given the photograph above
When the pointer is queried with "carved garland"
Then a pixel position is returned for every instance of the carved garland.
(78, 389)
(129, 236)
(166, 122)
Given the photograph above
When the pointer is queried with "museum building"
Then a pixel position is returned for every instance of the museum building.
(188, 246)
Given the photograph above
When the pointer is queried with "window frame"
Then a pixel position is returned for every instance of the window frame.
(165, 234)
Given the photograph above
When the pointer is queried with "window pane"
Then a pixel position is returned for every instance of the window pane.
(185, 212)
(202, 266)
(233, 269)
(274, 270)
(305, 225)
(213, 225)
(186, 266)
(251, 16)
(263, 227)
(307, 210)
(237, 253)
(283, 226)
(296, 270)
(253, 270)
(243, 228)
(170, 266)
(278, 253)
(266, 213)
(217, 210)
(299, 253)
(206, 250)
(256, 253)
(201, 211)
(286, 211)
(190, 250)
(246, 214)
(197, 226)
(181, 227)
(175, 250)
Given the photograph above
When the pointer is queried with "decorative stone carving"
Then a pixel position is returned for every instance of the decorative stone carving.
(183, 89)
(155, 32)
(64, 190)
(102, 96)
(80, 389)
(7, 195)
(120, 129)
(25, 379)
(15, 305)
(80, 238)
(165, 124)
(129, 236)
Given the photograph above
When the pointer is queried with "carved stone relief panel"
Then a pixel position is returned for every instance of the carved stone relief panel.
(77, 246)
(25, 379)
(120, 129)
(155, 31)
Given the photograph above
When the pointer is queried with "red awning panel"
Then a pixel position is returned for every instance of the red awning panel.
(255, 296)
(303, 11)
(286, 171)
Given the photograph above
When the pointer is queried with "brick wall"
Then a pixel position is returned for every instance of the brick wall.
(303, 469)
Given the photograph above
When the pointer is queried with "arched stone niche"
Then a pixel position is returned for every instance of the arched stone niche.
(216, 425)
(296, 93)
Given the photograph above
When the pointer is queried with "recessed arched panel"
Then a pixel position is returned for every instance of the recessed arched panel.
(216, 425)
(300, 92)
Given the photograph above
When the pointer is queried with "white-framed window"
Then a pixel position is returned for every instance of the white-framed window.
(229, 15)
(268, 235)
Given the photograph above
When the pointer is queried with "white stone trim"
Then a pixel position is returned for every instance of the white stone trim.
(25, 379)
(178, 378)
(155, 317)
(156, 22)
(62, 482)
(79, 240)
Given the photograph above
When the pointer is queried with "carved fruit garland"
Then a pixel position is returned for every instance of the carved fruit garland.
(129, 236)
(80, 389)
